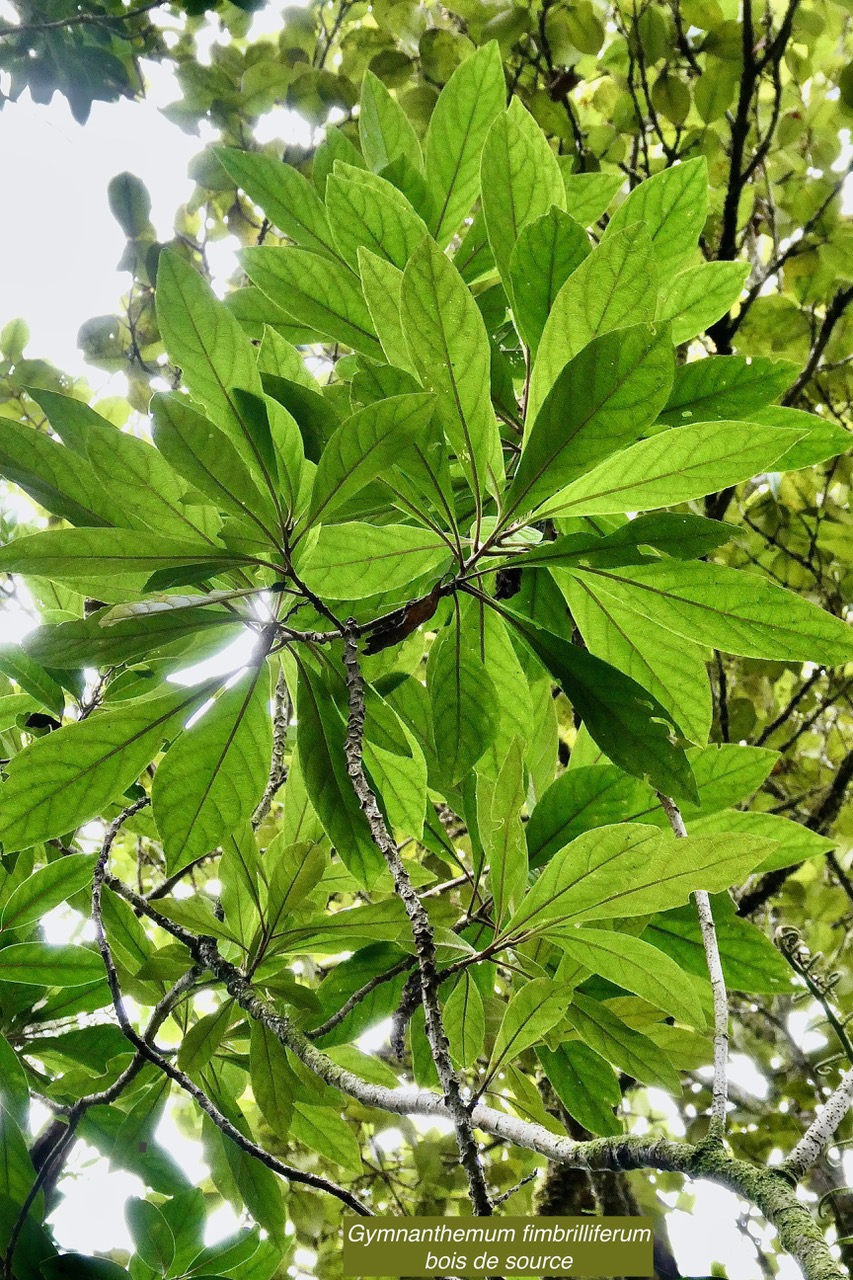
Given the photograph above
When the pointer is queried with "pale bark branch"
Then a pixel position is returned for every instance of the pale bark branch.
(719, 1092)
(822, 1129)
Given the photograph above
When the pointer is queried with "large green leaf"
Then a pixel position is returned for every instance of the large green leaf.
(724, 608)
(87, 643)
(672, 467)
(40, 965)
(629, 870)
(589, 194)
(473, 96)
(205, 456)
(602, 400)
(211, 779)
(629, 1050)
(45, 889)
(363, 447)
(320, 742)
(613, 288)
(725, 387)
(546, 253)
(637, 966)
(384, 130)
(83, 554)
(627, 723)
(520, 181)
(354, 560)
(382, 283)
(531, 1013)
(672, 668)
(699, 296)
(584, 1082)
(750, 960)
(673, 207)
(316, 291)
(69, 777)
(286, 197)
(367, 212)
(214, 354)
(464, 703)
(57, 478)
(449, 345)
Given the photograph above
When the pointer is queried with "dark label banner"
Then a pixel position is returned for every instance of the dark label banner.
(397, 1248)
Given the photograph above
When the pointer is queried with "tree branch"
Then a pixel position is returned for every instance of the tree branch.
(421, 932)
(822, 1129)
(79, 20)
(719, 1094)
(150, 1054)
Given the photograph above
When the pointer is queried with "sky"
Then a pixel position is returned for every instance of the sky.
(59, 246)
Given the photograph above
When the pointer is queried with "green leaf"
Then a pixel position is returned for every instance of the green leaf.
(45, 889)
(365, 446)
(152, 1235)
(142, 486)
(629, 870)
(613, 288)
(819, 439)
(450, 347)
(214, 354)
(211, 779)
(83, 554)
(602, 400)
(546, 253)
(589, 194)
(672, 668)
(699, 296)
(203, 1038)
(627, 1049)
(585, 1083)
(325, 1131)
(70, 776)
(465, 1020)
(520, 180)
(473, 96)
(369, 213)
(750, 960)
(273, 1080)
(382, 284)
(531, 1013)
(21, 666)
(672, 467)
(295, 870)
(673, 206)
(204, 455)
(88, 643)
(14, 1087)
(726, 609)
(725, 387)
(317, 292)
(351, 561)
(499, 807)
(628, 723)
(320, 740)
(286, 197)
(638, 967)
(384, 129)
(463, 701)
(581, 799)
(54, 476)
(795, 843)
(40, 965)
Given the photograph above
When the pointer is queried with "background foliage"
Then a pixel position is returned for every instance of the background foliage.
(623, 92)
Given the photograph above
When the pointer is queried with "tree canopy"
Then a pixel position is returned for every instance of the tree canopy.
(511, 479)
